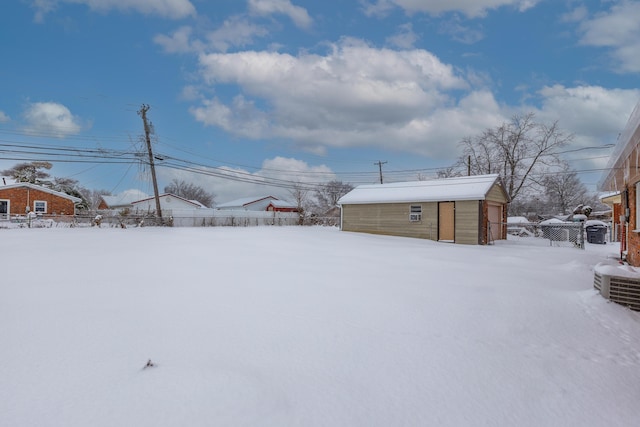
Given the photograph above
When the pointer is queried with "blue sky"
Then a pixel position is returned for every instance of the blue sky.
(285, 91)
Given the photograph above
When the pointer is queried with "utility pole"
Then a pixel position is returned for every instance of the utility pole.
(147, 130)
(379, 163)
(469, 166)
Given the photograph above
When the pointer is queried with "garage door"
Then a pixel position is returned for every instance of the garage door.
(495, 222)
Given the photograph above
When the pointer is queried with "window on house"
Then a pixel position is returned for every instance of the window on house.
(40, 207)
(4, 209)
(415, 213)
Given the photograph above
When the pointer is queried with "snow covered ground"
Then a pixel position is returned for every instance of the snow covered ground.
(292, 326)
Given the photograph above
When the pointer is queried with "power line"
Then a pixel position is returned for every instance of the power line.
(22, 151)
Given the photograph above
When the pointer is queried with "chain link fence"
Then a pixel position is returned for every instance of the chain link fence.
(570, 234)
(171, 219)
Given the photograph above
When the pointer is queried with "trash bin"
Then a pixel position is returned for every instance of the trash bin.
(596, 234)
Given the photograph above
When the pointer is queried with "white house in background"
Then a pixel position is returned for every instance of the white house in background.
(120, 201)
(168, 202)
(257, 204)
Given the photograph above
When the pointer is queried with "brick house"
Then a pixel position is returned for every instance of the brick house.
(623, 177)
(281, 206)
(21, 198)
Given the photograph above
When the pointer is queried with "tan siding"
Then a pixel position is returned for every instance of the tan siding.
(390, 219)
(496, 194)
(467, 222)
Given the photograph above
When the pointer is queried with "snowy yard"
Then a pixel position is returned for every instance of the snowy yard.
(291, 326)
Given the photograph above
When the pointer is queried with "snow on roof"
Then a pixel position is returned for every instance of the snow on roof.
(517, 220)
(41, 188)
(198, 204)
(124, 198)
(458, 188)
(552, 221)
(244, 201)
(594, 222)
(623, 148)
(282, 204)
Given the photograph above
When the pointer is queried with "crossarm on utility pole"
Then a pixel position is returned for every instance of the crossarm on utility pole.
(147, 130)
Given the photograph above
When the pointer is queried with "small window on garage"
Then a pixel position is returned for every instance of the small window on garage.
(416, 213)
(40, 207)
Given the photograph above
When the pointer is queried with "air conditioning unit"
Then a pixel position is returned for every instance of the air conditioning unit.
(622, 290)
(415, 217)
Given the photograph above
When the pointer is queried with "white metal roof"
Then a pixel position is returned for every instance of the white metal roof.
(282, 204)
(448, 189)
(123, 199)
(168, 196)
(244, 201)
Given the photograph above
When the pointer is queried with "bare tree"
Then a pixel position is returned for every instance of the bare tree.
(564, 191)
(328, 194)
(190, 191)
(516, 150)
(448, 172)
(93, 197)
(300, 196)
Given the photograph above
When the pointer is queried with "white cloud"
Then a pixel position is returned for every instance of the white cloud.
(179, 41)
(359, 96)
(355, 95)
(297, 14)
(461, 33)
(578, 14)
(595, 115)
(4, 118)
(42, 7)
(190, 93)
(235, 31)
(405, 38)
(294, 170)
(470, 8)
(618, 29)
(51, 118)
(241, 117)
(173, 9)
(592, 112)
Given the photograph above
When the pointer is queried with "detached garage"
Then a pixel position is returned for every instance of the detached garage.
(469, 210)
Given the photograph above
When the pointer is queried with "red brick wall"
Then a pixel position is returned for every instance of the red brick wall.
(633, 245)
(484, 227)
(21, 197)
